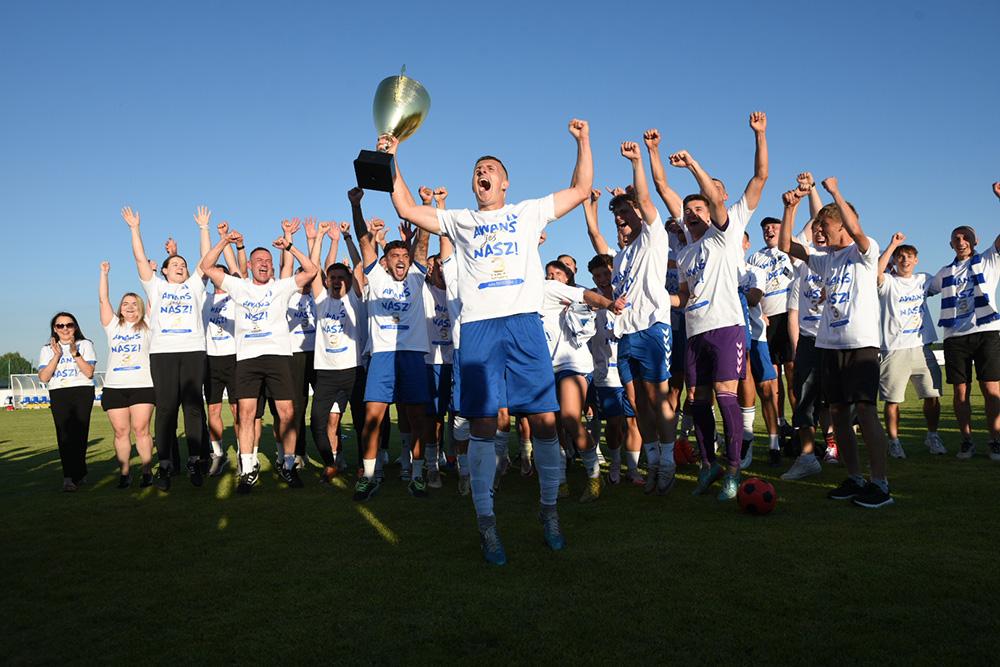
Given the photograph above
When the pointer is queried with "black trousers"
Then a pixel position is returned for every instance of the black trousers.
(334, 386)
(71, 413)
(179, 378)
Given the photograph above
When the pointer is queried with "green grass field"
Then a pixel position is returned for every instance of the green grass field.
(205, 576)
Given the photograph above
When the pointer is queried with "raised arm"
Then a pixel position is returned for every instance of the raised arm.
(583, 173)
(675, 205)
(996, 191)
(419, 251)
(786, 245)
(847, 214)
(424, 217)
(203, 216)
(208, 262)
(597, 239)
(316, 251)
(883, 260)
(367, 241)
(717, 208)
(141, 261)
(352, 249)
(447, 247)
(309, 269)
(107, 313)
(630, 151)
(288, 229)
(808, 184)
(758, 123)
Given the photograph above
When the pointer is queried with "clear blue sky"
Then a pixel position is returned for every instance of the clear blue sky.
(258, 109)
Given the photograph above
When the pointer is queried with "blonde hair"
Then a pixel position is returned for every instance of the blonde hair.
(141, 324)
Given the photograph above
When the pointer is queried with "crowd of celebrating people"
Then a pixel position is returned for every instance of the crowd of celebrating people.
(682, 326)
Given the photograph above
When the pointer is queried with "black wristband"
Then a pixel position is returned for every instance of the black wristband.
(289, 246)
(75, 356)
(241, 247)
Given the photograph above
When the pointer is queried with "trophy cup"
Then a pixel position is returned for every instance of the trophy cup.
(400, 106)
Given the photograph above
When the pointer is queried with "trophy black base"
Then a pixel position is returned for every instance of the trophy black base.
(375, 171)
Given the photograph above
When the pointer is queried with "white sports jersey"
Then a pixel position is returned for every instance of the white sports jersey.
(906, 320)
(449, 268)
(710, 267)
(752, 277)
(220, 325)
(396, 310)
(67, 373)
(965, 305)
(438, 320)
(302, 322)
(778, 273)
(261, 325)
(175, 312)
(604, 348)
(565, 355)
(128, 356)
(850, 312)
(499, 270)
(807, 294)
(640, 274)
(340, 325)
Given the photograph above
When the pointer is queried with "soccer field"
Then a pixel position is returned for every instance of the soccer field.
(205, 576)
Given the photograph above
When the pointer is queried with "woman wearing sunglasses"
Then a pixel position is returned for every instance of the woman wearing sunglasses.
(66, 365)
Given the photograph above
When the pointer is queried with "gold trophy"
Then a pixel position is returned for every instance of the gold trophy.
(400, 106)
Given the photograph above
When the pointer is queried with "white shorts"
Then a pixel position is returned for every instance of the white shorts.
(916, 364)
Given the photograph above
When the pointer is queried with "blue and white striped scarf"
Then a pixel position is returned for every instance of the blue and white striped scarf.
(950, 301)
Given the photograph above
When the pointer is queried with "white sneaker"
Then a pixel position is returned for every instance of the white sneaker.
(896, 450)
(805, 465)
(934, 444)
(967, 451)
(219, 464)
(300, 462)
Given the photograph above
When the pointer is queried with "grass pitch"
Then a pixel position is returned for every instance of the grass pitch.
(204, 576)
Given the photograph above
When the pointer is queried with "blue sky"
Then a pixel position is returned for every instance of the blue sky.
(258, 109)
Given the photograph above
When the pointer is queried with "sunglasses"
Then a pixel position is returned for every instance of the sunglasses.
(68, 325)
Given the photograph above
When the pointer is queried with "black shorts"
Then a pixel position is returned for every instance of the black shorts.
(270, 371)
(778, 340)
(849, 376)
(221, 376)
(113, 399)
(334, 388)
(807, 383)
(981, 349)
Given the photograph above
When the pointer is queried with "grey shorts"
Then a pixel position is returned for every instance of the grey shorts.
(915, 364)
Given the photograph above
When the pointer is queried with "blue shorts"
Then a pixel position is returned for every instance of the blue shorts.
(612, 402)
(561, 375)
(397, 377)
(507, 361)
(646, 354)
(456, 383)
(760, 362)
(439, 387)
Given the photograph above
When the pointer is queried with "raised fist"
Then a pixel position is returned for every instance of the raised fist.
(614, 192)
(630, 151)
(426, 195)
(440, 194)
(355, 195)
(830, 184)
(105, 267)
(996, 189)
(345, 228)
(387, 144)
(202, 215)
(898, 238)
(223, 228)
(280, 243)
(579, 129)
(791, 198)
(681, 159)
(235, 237)
(651, 138)
(290, 226)
(131, 218)
(595, 195)
(375, 225)
(758, 121)
(171, 247)
(806, 181)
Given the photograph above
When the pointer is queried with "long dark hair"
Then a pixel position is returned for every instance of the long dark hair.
(77, 334)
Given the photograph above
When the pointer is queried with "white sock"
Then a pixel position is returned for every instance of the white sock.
(418, 468)
(431, 456)
(482, 467)
(406, 455)
(247, 462)
(548, 463)
(667, 454)
(652, 453)
(773, 441)
(255, 447)
(369, 465)
(217, 448)
(500, 445)
(463, 465)
(289, 461)
(562, 464)
(590, 463)
(632, 460)
(748, 417)
(525, 448)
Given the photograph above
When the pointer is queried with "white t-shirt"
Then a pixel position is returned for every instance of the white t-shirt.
(966, 296)
(640, 275)
(220, 325)
(175, 312)
(128, 356)
(851, 311)
(340, 325)
(807, 295)
(302, 322)
(261, 325)
(906, 320)
(449, 269)
(778, 273)
(438, 319)
(710, 267)
(396, 310)
(753, 277)
(499, 270)
(604, 349)
(565, 356)
(67, 373)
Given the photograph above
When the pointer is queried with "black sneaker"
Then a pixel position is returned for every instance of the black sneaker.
(291, 477)
(774, 458)
(417, 487)
(246, 483)
(194, 473)
(848, 490)
(365, 489)
(124, 481)
(872, 496)
(163, 478)
(146, 481)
